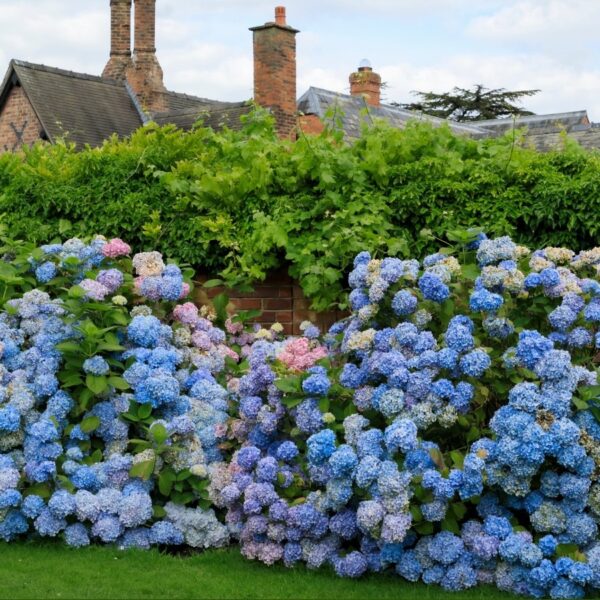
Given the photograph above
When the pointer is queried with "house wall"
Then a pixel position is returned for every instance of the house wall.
(279, 298)
(19, 124)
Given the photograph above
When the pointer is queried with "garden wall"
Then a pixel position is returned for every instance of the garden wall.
(280, 299)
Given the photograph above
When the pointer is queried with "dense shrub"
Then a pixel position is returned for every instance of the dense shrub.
(447, 430)
(242, 203)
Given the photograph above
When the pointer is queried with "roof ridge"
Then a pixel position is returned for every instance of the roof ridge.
(409, 114)
(192, 97)
(65, 72)
(542, 116)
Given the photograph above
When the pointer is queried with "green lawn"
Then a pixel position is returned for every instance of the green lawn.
(53, 571)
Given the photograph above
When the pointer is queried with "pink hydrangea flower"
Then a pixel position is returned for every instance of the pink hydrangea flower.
(220, 430)
(185, 290)
(226, 351)
(232, 327)
(115, 248)
(299, 355)
(186, 313)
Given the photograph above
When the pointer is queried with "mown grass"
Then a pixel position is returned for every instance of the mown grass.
(49, 570)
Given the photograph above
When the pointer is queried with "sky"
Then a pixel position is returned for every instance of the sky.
(205, 48)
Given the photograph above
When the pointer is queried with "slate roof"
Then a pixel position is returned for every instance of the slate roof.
(85, 108)
(541, 124)
(354, 112)
(215, 115)
(88, 109)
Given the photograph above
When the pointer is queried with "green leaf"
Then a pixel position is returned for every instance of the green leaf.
(39, 489)
(459, 510)
(324, 405)
(457, 458)
(118, 383)
(212, 283)
(158, 512)
(566, 550)
(64, 225)
(143, 469)
(144, 411)
(69, 347)
(89, 424)
(289, 385)
(84, 398)
(590, 392)
(292, 401)
(76, 292)
(165, 484)
(183, 475)
(220, 303)
(580, 404)
(159, 433)
(424, 528)
(450, 524)
(470, 271)
(96, 383)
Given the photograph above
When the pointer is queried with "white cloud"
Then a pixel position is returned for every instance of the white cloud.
(565, 29)
(205, 48)
(562, 88)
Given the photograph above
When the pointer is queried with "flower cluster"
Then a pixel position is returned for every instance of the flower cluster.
(447, 430)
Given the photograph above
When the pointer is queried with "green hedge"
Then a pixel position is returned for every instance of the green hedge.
(243, 203)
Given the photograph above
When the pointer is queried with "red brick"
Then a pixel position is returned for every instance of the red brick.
(367, 84)
(120, 39)
(301, 304)
(18, 113)
(247, 303)
(310, 124)
(275, 73)
(278, 304)
(285, 292)
(285, 316)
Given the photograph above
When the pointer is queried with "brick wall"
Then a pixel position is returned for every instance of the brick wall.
(278, 297)
(310, 124)
(19, 124)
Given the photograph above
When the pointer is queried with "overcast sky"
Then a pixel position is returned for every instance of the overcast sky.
(205, 47)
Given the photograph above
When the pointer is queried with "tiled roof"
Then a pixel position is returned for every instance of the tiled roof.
(216, 115)
(83, 108)
(176, 101)
(353, 111)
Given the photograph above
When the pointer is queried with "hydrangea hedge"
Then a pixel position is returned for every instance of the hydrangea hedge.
(446, 430)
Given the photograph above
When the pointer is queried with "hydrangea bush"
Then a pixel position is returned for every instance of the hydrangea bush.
(447, 430)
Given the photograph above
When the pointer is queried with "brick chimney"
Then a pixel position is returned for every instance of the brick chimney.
(366, 83)
(275, 71)
(146, 75)
(120, 39)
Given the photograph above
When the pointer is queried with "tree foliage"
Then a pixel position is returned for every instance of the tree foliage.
(474, 104)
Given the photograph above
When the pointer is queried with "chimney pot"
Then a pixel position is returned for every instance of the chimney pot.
(280, 15)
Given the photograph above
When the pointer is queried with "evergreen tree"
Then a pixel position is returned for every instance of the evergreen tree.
(471, 105)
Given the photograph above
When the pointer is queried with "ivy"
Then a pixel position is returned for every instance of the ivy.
(238, 204)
